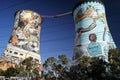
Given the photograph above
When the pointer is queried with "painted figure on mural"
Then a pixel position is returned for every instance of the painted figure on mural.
(94, 47)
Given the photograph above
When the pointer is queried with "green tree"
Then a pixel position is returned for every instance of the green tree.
(63, 67)
(11, 72)
(29, 67)
(114, 59)
(48, 68)
(98, 66)
(80, 68)
(84, 68)
(56, 69)
(1, 72)
(22, 70)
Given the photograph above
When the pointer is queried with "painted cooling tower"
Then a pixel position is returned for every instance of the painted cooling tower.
(25, 39)
(93, 37)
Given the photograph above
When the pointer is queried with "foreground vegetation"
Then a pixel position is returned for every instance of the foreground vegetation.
(85, 68)
(62, 68)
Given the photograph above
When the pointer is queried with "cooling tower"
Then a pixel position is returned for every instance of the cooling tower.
(93, 37)
(25, 39)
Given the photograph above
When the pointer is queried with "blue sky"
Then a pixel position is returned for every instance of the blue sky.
(57, 34)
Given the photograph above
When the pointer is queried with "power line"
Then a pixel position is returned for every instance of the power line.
(98, 33)
(60, 39)
(59, 50)
(47, 26)
(14, 5)
(58, 15)
(68, 28)
(44, 16)
(56, 39)
(48, 32)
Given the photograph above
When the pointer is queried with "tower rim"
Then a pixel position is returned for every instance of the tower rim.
(85, 1)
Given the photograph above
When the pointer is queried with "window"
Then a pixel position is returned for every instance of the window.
(6, 50)
(10, 51)
(15, 53)
(21, 54)
(36, 60)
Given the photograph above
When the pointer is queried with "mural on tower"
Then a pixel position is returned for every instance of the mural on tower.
(26, 31)
(24, 41)
(93, 37)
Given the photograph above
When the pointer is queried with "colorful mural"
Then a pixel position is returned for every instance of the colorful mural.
(93, 37)
(26, 31)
